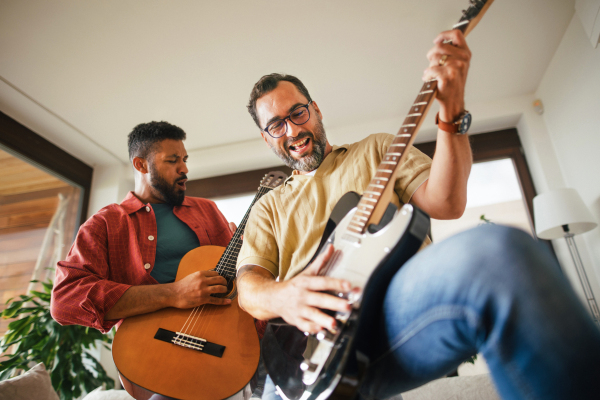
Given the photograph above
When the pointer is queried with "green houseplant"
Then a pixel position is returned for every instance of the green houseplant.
(36, 338)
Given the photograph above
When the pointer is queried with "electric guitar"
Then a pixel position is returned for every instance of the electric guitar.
(372, 239)
(209, 352)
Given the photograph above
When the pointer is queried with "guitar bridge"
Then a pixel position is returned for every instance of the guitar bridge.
(190, 342)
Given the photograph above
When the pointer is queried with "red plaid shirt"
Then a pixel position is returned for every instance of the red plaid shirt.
(115, 250)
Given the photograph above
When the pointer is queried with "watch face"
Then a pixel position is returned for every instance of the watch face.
(465, 123)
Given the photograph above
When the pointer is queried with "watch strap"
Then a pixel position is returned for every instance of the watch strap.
(450, 127)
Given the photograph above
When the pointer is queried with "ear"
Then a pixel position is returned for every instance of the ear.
(317, 109)
(140, 165)
(266, 139)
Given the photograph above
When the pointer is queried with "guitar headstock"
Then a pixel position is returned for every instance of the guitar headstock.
(273, 179)
(472, 15)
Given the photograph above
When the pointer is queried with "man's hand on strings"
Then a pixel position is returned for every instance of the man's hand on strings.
(196, 289)
(449, 61)
(299, 299)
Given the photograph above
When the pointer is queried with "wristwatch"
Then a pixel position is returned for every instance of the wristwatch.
(458, 127)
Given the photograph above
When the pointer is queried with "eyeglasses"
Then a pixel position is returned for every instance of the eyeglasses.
(299, 115)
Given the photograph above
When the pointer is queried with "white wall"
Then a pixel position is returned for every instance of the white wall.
(570, 91)
(110, 184)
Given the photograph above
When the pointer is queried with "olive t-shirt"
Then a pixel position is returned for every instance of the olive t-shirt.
(285, 225)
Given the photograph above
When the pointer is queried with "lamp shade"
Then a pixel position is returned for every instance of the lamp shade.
(553, 209)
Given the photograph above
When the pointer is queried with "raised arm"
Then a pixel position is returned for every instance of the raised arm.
(444, 195)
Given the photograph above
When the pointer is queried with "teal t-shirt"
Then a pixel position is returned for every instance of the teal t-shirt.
(174, 239)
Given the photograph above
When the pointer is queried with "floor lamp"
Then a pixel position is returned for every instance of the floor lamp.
(562, 213)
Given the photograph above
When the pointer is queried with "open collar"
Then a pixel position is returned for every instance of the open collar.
(334, 149)
(132, 204)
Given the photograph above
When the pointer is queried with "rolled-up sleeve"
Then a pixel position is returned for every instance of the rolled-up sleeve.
(82, 293)
(260, 245)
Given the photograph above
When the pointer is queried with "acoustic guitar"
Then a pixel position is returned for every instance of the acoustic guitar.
(209, 352)
(371, 242)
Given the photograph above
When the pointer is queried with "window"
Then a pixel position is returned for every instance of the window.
(234, 208)
(43, 199)
(494, 193)
(500, 186)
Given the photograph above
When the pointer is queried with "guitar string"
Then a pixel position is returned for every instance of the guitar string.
(179, 337)
(406, 133)
(191, 320)
(222, 264)
(228, 255)
(220, 269)
(226, 265)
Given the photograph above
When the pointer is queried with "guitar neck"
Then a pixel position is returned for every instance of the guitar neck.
(226, 267)
(378, 193)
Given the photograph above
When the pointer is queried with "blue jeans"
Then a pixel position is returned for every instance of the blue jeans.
(491, 290)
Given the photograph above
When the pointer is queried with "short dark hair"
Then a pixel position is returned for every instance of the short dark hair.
(144, 137)
(267, 84)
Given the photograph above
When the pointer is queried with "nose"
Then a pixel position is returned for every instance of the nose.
(183, 169)
(292, 129)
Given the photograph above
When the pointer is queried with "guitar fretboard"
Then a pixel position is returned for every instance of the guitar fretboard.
(386, 171)
(374, 200)
(226, 267)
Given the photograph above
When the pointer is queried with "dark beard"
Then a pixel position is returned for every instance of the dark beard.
(306, 163)
(167, 192)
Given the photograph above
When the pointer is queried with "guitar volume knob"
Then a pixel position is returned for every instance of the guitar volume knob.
(325, 335)
(307, 366)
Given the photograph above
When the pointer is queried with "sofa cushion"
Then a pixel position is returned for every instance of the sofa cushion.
(33, 384)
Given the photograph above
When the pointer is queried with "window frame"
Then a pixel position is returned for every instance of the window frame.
(38, 151)
(498, 145)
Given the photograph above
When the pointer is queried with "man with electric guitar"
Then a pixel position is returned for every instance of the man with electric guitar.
(491, 290)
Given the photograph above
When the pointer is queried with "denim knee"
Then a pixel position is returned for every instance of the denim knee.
(499, 255)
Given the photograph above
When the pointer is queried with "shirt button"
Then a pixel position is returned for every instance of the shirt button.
(147, 266)
(150, 237)
(147, 208)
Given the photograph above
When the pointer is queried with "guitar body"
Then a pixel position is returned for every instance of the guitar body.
(331, 365)
(161, 369)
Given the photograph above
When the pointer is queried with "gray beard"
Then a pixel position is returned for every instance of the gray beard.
(306, 163)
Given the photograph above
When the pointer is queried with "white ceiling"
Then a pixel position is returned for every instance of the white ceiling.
(84, 73)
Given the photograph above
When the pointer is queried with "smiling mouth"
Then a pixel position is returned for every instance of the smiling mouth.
(300, 146)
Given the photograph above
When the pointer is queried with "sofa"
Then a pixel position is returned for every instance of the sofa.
(35, 385)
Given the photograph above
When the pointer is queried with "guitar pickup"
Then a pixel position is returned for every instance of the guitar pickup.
(190, 342)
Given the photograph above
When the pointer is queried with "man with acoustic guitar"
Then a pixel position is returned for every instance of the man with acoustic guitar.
(124, 250)
(491, 290)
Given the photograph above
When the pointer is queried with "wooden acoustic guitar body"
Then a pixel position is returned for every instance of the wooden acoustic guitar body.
(155, 368)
